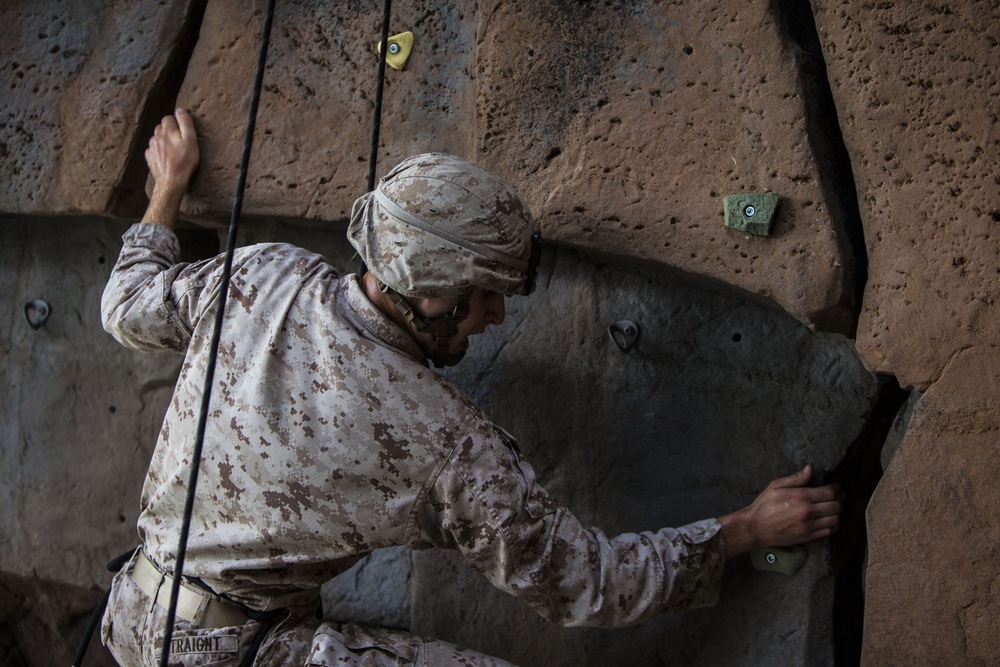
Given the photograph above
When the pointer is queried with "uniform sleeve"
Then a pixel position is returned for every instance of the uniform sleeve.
(151, 301)
(487, 504)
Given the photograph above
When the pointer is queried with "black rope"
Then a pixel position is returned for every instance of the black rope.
(377, 121)
(88, 634)
(216, 334)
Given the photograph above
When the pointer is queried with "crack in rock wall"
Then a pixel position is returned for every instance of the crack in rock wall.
(917, 92)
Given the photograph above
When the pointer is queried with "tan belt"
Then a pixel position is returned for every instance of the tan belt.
(192, 606)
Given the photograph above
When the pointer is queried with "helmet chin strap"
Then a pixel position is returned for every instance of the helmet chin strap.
(443, 327)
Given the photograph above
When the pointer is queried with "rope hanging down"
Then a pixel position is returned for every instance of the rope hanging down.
(217, 330)
(216, 334)
(377, 120)
(377, 123)
(223, 293)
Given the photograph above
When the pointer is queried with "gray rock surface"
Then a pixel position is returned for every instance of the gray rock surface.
(716, 398)
(81, 413)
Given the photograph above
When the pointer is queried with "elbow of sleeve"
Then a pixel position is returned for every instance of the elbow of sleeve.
(118, 320)
(115, 322)
(112, 317)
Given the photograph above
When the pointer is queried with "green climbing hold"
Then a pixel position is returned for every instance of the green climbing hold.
(750, 212)
(786, 560)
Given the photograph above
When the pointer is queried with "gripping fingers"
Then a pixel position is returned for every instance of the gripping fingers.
(831, 508)
(172, 155)
(184, 124)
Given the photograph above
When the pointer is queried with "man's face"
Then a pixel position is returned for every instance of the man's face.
(485, 308)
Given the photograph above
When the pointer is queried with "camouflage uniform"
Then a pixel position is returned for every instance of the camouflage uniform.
(329, 437)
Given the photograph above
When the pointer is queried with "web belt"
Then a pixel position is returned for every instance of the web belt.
(193, 606)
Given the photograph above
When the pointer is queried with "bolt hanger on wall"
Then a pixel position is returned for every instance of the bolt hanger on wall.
(624, 333)
(36, 312)
(786, 560)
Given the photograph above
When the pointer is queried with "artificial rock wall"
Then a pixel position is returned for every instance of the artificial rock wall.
(624, 125)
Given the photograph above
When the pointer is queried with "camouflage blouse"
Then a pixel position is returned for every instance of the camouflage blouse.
(328, 437)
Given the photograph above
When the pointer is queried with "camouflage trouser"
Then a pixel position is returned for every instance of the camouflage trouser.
(132, 630)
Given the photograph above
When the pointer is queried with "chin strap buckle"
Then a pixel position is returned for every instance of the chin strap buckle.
(442, 327)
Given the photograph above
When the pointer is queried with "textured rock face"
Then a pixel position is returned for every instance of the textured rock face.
(625, 125)
(716, 398)
(314, 129)
(918, 94)
(917, 87)
(76, 79)
(933, 531)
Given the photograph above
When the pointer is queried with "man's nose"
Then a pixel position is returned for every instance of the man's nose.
(495, 308)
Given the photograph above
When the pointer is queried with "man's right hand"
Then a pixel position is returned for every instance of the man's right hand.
(172, 157)
(787, 512)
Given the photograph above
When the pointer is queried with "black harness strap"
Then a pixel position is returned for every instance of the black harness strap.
(88, 634)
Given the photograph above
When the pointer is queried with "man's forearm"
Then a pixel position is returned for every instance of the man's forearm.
(164, 206)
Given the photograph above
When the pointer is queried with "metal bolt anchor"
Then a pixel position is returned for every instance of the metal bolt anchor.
(771, 558)
(624, 333)
(394, 48)
(36, 312)
(750, 211)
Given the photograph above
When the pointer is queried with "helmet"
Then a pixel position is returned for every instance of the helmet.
(438, 226)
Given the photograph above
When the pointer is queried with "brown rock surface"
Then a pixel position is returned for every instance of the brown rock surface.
(918, 95)
(917, 87)
(313, 136)
(624, 127)
(933, 588)
(77, 78)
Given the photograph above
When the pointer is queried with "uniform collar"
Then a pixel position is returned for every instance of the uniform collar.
(379, 327)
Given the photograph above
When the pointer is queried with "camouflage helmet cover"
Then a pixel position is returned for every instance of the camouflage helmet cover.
(438, 226)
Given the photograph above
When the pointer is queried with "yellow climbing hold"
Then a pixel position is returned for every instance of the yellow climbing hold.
(399, 49)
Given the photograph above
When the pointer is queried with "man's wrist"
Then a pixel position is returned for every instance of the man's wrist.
(164, 206)
(738, 531)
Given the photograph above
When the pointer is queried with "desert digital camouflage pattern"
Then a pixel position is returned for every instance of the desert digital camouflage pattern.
(328, 437)
(132, 629)
(438, 226)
